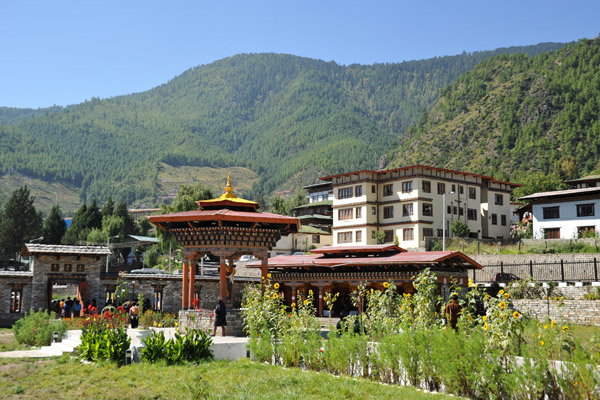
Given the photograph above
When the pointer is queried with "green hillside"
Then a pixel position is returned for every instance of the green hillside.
(288, 119)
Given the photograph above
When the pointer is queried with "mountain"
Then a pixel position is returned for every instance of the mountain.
(284, 118)
(513, 114)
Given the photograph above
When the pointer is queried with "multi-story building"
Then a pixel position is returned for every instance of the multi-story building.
(406, 204)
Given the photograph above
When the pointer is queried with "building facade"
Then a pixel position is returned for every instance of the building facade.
(412, 203)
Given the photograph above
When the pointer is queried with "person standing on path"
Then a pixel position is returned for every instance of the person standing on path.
(220, 316)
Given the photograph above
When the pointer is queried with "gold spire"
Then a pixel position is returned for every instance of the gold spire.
(228, 189)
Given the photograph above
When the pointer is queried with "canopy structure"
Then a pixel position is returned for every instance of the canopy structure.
(228, 227)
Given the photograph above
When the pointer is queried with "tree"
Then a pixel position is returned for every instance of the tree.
(380, 237)
(459, 228)
(78, 229)
(20, 222)
(55, 226)
(186, 198)
(536, 182)
(108, 208)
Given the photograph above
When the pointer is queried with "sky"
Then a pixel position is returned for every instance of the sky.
(66, 52)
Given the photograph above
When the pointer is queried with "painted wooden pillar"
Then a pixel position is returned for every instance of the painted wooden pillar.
(294, 294)
(321, 293)
(223, 278)
(192, 283)
(264, 271)
(229, 299)
(184, 277)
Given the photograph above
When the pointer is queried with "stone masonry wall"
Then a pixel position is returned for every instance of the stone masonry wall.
(204, 319)
(582, 312)
(8, 281)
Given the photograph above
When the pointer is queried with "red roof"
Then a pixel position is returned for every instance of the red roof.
(224, 215)
(376, 248)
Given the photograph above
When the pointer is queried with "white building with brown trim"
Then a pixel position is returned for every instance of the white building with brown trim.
(407, 203)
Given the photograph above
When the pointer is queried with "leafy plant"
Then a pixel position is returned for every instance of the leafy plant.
(36, 328)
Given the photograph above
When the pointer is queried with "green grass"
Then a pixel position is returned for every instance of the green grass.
(8, 341)
(67, 378)
(470, 247)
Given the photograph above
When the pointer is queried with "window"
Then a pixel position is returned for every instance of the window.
(345, 213)
(551, 212)
(358, 212)
(455, 210)
(372, 188)
(440, 232)
(388, 212)
(449, 210)
(80, 267)
(54, 268)
(586, 231)
(408, 234)
(68, 267)
(585, 210)
(344, 193)
(427, 210)
(16, 299)
(472, 193)
(388, 236)
(498, 199)
(461, 189)
(358, 236)
(503, 220)
(316, 238)
(552, 233)
(373, 210)
(344, 237)
(453, 188)
(407, 210)
(441, 188)
(494, 219)
(427, 232)
(358, 191)
(407, 187)
(472, 214)
(110, 294)
(372, 234)
(461, 211)
(158, 298)
(426, 187)
(388, 190)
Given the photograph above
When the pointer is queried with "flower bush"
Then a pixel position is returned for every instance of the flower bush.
(36, 328)
(104, 337)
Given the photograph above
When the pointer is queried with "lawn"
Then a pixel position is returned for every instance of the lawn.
(8, 341)
(67, 378)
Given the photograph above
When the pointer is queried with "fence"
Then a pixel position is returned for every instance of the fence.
(559, 271)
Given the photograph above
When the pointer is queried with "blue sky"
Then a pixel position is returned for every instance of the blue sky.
(65, 52)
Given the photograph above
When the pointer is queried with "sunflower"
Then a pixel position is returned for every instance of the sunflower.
(486, 297)
(269, 275)
(485, 326)
(565, 328)
(305, 302)
(502, 305)
(275, 295)
(310, 292)
(541, 342)
(386, 285)
(506, 295)
(501, 292)
(516, 315)
(484, 318)
(276, 286)
(293, 305)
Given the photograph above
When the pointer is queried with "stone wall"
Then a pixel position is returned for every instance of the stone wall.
(8, 282)
(204, 319)
(582, 312)
(495, 259)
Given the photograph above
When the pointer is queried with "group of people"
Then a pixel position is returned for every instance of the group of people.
(72, 308)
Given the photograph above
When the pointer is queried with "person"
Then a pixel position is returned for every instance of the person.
(134, 315)
(66, 310)
(77, 309)
(220, 316)
(452, 311)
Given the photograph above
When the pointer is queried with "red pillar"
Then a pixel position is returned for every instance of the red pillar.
(223, 278)
(192, 283)
(184, 295)
(264, 271)
(294, 294)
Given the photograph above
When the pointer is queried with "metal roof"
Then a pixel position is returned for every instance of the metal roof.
(35, 248)
(561, 193)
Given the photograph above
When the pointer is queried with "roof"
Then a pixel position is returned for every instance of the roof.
(34, 248)
(374, 248)
(317, 185)
(149, 239)
(561, 193)
(315, 216)
(228, 199)
(313, 230)
(315, 204)
(224, 215)
(588, 178)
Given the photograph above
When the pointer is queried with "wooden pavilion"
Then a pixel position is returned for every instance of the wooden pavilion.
(227, 227)
(342, 268)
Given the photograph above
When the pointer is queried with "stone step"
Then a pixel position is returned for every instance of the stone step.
(51, 350)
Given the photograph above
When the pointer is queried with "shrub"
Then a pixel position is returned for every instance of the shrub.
(102, 342)
(194, 346)
(37, 328)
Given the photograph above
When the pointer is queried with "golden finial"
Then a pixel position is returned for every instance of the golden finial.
(228, 189)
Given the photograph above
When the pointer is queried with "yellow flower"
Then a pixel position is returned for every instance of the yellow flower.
(501, 291)
(407, 294)
(565, 328)
(159, 325)
(262, 277)
(502, 305)
(486, 297)
(269, 275)
(546, 326)
(541, 342)
(154, 323)
(551, 323)
(310, 292)
(484, 318)
(293, 305)
(386, 285)
(470, 282)
(276, 286)
(485, 326)
(506, 295)
(305, 302)
(517, 315)
(275, 295)
(475, 286)
(371, 290)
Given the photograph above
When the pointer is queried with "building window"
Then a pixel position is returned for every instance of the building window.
(407, 210)
(16, 299)
(441, 188)
(388, 236)
(372, 234)
(461, 189)
(358, 236)
(358, 212)
(388, 212)
(344, 193)
(407, 187)
(68, 268)
(426, 187)
(345, 213)
(494, 219)
(110, 295)
(455, 210)
(461, 211)
(427, 210)
(503, 220)
(440, 232)
(388, 190)
(373, 189)
(585, 210)
(586, 231)
(472, 193)
(358, 191)
(498, 199)
(472, 214)
(158, 298)
(551, 212)
(453, 188)
(552, 233)
(54, 268)
(427, 232)
(316, 238)
(80, 268)
(449, 210)
(344, 237)
(408, 234)
(373, 210)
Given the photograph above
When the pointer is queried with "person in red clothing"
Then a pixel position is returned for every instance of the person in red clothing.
(452, 311)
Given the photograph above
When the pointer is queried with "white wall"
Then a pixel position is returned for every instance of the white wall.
(568, 221)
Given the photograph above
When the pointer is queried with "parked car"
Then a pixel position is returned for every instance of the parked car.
(247, 258)
(504, 277)
(299, 253)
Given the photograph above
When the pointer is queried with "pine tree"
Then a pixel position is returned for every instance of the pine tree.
(54, 226)
(20, 222)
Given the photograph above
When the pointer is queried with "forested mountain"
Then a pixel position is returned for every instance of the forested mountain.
(11, 115)
(288, 119)
(514, 113)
